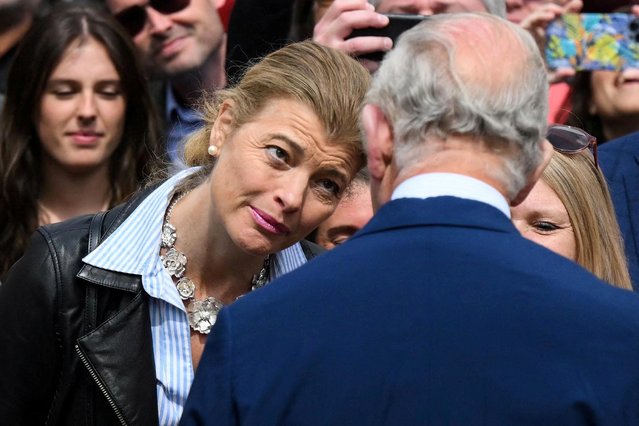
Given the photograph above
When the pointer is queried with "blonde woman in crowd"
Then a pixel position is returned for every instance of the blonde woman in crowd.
(107, 315)
(570, 210)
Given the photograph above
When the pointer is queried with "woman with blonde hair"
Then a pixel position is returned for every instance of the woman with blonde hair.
(570, 210)
(119, 304)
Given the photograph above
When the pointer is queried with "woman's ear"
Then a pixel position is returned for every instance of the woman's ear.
(223, 125)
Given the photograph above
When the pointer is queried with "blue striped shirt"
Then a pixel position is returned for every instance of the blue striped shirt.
(134, 248)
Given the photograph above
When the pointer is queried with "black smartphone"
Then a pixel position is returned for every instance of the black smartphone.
(397, 24)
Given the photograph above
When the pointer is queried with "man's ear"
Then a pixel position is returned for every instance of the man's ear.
(547, 153)
(379, 136)
(378, 133)
(223, 124)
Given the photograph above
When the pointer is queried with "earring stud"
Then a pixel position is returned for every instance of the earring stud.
(213, 150)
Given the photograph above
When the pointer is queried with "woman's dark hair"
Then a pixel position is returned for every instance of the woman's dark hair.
(580, 98)
(136, 157)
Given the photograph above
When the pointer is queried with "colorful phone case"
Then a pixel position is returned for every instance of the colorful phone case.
(593, 41)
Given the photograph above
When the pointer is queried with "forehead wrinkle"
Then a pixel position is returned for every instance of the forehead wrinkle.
(330, 169)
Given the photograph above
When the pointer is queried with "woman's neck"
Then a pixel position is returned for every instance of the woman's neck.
(217, 266)
(65, 195)
(613, 129)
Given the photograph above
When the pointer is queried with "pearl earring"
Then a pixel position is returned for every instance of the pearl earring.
(213, 150)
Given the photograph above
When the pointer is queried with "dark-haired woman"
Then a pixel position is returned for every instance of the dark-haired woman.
(78, 133)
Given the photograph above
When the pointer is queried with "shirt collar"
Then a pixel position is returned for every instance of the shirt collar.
(451, 184)
(176, 112)
(133, 247)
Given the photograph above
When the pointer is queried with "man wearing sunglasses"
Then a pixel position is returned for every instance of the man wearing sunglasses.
(182, 44)
(438, 311)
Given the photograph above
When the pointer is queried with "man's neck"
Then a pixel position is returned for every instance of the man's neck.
(210, 77)
(474, 163)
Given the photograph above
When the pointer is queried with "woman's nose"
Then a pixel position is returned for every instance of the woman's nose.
(291, 193)
(87, 108)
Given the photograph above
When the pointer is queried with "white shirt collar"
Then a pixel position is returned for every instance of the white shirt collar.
(451, 184)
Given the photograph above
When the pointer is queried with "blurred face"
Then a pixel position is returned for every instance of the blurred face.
(82, 110)
(430, 7)
(615, 93)
(277, 177)
(517, 10)
(352, 213)
(542, 218)
(175, 43)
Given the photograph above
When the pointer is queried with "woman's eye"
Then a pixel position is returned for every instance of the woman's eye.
(330, 186)
(339, 240)
(62, 93)
(109, 90)
(110, 94)
(277, 153)
(545, 226)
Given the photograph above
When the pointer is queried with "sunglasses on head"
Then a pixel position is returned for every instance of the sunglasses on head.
(133, 18)
(570, 140)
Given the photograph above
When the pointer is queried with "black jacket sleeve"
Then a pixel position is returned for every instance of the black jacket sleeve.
(28, 336)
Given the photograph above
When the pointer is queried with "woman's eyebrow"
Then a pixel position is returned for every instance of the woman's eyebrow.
(299, 149)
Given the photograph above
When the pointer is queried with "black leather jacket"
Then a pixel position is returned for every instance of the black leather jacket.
(75, 340)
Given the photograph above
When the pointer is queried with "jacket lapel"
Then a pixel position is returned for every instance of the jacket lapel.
(119, 352)
(630, 183)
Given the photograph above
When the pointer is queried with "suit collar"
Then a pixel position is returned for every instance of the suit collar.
(438, 211)
(428, 185)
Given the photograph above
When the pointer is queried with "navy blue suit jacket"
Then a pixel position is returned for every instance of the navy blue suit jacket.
(437, 313)
(619, 161)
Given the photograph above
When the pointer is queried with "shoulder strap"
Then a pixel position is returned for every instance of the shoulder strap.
(95, 230)
(91, 301)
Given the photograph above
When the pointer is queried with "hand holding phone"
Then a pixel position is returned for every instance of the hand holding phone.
(341, 18)
(593, 41)
(397, 24)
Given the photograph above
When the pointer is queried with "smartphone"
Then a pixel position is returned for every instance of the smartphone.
(397, 24)
(593, 41)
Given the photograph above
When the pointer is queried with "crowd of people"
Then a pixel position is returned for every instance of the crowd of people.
(214, 219)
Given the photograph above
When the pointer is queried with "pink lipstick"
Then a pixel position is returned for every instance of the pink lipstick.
(269, 223)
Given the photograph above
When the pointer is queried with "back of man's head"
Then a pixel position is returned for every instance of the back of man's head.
(473, 76)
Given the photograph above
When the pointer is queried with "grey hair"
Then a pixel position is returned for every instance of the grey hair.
(494, 7)
(423, 94)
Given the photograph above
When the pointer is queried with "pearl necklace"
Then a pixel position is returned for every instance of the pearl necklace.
(202, 313)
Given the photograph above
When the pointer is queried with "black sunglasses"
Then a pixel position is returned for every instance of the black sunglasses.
(133, 18)
(570, 140)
